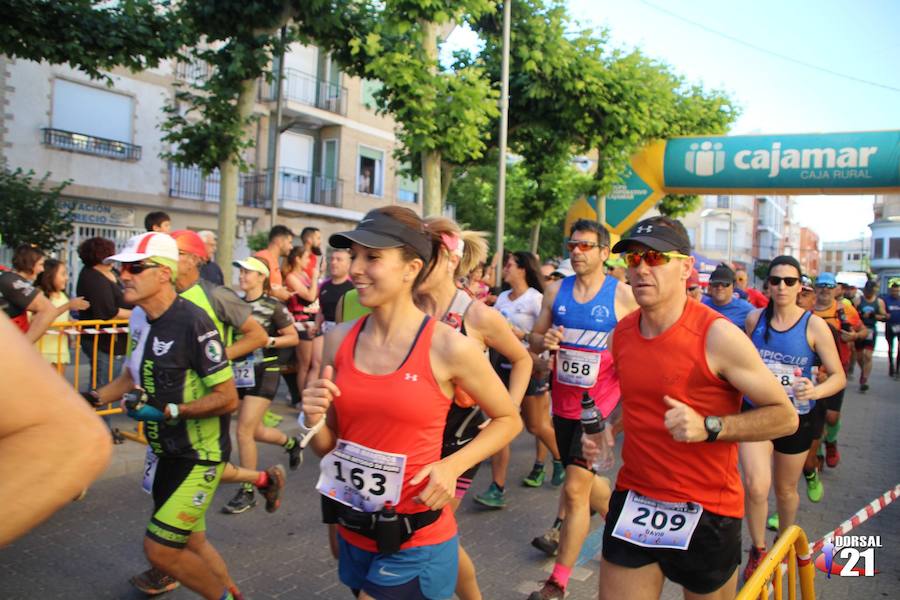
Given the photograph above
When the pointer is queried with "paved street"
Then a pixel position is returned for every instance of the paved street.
(90, 548)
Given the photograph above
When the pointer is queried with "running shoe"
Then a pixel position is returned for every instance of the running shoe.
(772, 522)
(154, 582)
(549, 591)
(272, 492)
(242, 502)
(559, 474)
(536, 478)
(492, 498)
(547, 543)
(756, 557)
(814, 488)
(832, 456)
(295, 455)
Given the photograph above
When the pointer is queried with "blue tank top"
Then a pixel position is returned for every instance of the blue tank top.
(583, 362)
(787, 354)
(893, 309)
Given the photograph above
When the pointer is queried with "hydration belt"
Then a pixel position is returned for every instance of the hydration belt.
(389, 536)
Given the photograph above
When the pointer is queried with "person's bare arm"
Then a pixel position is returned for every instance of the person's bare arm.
(50, 439)
(306, 292)
(253, 336)
(222, 400)
(287, 338)
(625, 302)
(319, 394)
(544, 321)
(44, 314)
(115, 389)
(751, 321)
(123, 313)
(462, 360)
(732, 356)
(498, 335)
(280, 292)
(881, 314)
(822, 342)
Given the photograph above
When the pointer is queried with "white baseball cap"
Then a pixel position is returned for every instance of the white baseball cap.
(150, 245)
(565, 268)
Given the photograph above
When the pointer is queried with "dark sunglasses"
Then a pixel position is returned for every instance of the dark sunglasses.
(136, 268)
(825, 285)
(788, 281)
(719, 284)
(693, 288)
(582, 245)
(653, 258)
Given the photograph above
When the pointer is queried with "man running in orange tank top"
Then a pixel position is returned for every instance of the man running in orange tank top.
(678, 502)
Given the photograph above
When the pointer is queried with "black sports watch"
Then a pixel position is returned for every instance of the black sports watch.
(713, 427)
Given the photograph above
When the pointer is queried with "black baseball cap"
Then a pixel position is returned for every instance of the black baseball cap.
(379, 230)
(655, 236)
(722, 274)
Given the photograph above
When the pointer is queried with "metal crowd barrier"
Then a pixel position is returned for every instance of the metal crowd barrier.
(64, 331)
(793, 546)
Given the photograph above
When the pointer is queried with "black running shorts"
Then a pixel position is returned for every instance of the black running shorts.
(568, 439)
(799, 441)
(834, 402)
(267, 379)
(708, 563)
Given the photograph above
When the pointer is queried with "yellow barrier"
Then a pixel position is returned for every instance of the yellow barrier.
(65, 331)
(794, 546)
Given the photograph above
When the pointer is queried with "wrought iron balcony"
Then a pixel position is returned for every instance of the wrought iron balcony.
(296, 186)
(307, 89)
(192, 184)
(88, 144)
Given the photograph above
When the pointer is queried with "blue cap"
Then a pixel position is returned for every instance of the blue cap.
(826, 279)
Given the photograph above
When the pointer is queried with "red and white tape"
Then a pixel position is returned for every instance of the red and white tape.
(869, 510)
(88, 331)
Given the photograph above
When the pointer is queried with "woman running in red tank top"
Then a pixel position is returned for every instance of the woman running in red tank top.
(384, 392)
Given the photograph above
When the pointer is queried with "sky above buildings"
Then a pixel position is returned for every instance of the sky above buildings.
(792, 67)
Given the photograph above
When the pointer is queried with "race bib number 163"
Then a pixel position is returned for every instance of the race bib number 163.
(360, 477)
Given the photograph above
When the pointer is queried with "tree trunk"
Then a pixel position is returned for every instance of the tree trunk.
(446, 178)
(535, 240)
(432, 205)
(228, 188)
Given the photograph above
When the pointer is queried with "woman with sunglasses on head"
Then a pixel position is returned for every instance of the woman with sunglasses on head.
(790, 341)
(455, 252)
(381, 403)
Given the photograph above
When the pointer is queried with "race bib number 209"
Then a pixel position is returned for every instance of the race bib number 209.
(657, 524)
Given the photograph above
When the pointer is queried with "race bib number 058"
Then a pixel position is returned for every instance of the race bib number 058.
(361, 477)
(576, 367)
(655, 524)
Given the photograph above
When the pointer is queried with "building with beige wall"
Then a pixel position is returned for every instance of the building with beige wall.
(335, 159)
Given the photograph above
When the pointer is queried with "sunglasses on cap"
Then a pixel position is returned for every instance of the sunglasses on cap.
(653, 258)
(136, 268)
(582, 245)
(788, 281)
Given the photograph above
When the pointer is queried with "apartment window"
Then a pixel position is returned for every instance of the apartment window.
(878, 248)
(370, 171)
(894, 248)
(369, 88)
(91, 120)
(854, 256)
(407, 189)
(91, 111)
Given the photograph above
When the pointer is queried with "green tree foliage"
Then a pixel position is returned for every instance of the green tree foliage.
(442, 115)
(92, 35)
(31, 213)
(573, 93)
(474, 193)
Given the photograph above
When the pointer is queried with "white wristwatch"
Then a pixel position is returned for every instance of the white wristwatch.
(173, 410)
